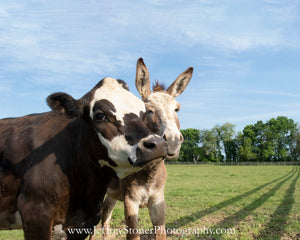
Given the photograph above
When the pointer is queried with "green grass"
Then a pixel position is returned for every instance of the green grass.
(258, 202)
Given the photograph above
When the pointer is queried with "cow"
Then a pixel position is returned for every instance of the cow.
(146, 187)
(52, 169)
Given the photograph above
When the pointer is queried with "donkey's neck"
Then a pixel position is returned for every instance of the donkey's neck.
(152, 169)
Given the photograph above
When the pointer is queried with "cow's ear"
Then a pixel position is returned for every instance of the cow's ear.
(178, 86)
(64, 103)
(142, 80)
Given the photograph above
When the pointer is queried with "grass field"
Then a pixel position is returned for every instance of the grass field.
(233, 202)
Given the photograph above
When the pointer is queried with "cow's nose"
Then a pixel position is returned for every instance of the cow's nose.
(152, 147)
(154, 143)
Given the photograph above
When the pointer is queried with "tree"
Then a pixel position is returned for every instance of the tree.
(231, 150)
(296, 145)
(226, 141)
(245, 151)
(218, 144)
(189, 149)
(209, 145)
(281, 132)
(270, 141)
(275, 140)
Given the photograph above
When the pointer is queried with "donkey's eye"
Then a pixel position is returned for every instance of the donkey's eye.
(100, 116)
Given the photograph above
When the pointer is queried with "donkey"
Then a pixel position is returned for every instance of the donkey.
(146, 187)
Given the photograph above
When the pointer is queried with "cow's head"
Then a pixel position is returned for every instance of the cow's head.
(114, 113)
(161, 106)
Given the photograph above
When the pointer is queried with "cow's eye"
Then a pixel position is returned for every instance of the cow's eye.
(100, 116)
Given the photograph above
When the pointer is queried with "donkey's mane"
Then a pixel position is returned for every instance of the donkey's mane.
(158, 87)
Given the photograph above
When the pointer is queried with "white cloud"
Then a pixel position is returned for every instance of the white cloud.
(92, 35)
(60, 40)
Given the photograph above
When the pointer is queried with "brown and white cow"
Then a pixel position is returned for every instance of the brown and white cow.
(49, 162)
(146, 187)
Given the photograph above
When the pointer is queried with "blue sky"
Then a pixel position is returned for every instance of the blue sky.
(245, 54)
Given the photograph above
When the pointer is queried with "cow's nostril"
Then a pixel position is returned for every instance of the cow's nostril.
(165, 137)
(149, 144)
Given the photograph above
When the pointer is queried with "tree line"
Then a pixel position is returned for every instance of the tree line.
(274, 140)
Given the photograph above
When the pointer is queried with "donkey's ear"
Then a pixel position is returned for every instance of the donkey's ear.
(142, 80)
(64, 103)
(178, 86)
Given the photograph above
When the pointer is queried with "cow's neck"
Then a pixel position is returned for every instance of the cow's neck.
(85, 140)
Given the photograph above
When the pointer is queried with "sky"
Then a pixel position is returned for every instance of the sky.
(245, 54)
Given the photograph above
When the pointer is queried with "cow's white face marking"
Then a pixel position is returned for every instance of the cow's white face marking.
(123, 169)
(124, 102)
(121, 172)
(165, 108)
(118, 148)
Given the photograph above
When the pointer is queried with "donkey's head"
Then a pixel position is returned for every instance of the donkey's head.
(161, 106)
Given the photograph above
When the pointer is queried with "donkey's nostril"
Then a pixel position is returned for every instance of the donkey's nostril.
(149, 144)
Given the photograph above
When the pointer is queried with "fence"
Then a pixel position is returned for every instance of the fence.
(237, 163)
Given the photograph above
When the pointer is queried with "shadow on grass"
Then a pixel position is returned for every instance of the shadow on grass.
(195, 216)
(275, 228)
(235, 218)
